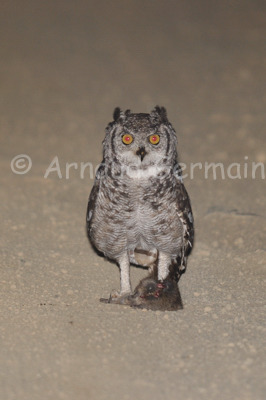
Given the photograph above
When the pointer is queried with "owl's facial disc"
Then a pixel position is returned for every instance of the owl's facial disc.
(141, 152)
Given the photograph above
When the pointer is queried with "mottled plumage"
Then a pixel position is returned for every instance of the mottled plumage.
(139, 211)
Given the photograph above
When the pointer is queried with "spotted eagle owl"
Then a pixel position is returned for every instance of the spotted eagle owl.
(139, 211)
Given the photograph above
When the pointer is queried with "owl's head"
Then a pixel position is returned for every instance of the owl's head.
(140, 140)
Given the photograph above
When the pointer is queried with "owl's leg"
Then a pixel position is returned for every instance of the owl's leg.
(125, 286)
(124, 296)
(163, 266)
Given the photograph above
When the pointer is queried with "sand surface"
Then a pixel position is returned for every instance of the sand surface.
(64, 66)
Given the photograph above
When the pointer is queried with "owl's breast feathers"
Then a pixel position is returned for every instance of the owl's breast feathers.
(149, 214)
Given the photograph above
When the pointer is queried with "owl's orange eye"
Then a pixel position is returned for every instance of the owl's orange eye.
(154, 139)
(127, 139)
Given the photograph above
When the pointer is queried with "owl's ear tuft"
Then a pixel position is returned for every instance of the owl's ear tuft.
(159, 114)
(117, 113)
(118, 116)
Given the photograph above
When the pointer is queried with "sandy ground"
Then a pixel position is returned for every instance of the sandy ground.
(64, 66)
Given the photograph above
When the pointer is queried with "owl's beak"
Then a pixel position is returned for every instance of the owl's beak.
(141, 152)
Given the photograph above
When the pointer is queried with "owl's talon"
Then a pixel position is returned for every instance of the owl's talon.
(118, 298)
(102, 300)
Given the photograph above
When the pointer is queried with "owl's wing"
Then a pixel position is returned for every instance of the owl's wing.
(93, 196)
(185, 214)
